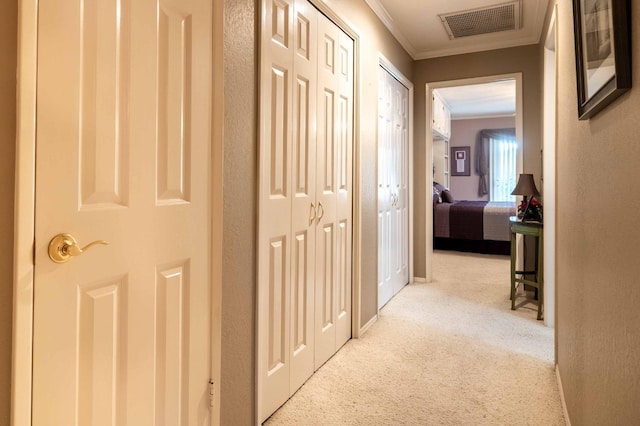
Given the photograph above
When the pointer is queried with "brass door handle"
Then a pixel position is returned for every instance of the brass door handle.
(63, 246)
(312, 214)
(321, 215)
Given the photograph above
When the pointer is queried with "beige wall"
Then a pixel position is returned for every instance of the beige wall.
(239, 214)
(464, 133)
(8, 43)
(525, 59)
(598, 163)
(240, 178)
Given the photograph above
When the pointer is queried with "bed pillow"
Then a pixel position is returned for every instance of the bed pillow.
(437, 197)
(439, 187)
(447, 197)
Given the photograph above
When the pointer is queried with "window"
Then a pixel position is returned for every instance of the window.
(502, 168)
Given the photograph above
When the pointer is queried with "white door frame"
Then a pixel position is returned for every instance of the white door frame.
(395, 72)
(24, 210)
(549, 172)
(429, 87)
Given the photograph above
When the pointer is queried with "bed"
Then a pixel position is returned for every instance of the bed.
(472, 226)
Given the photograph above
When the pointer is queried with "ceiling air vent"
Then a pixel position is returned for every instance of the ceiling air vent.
(484, 20)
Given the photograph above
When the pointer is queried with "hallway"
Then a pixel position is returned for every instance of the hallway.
(446, 353)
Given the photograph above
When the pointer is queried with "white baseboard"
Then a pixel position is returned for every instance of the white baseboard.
(567, 421)
(368, 325)
(419, 280)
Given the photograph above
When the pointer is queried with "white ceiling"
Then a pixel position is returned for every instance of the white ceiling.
(496, 99)
(418, 28)
(416, 25)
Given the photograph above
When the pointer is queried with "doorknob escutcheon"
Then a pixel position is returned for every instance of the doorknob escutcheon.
(64, 246)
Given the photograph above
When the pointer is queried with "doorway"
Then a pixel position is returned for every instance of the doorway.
(436, 86)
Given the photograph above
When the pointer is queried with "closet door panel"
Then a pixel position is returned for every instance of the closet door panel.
(276, 190)
(326, 175)
(344, 207)
(401, 177)
(385, 190)
(402, 269)
(304, 208)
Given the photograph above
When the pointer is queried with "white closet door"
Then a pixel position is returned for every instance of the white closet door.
(393, 215)
(344, 224)
(400, 260)
(334, 190)
(304, 236)
(304, 209)
(326, 175)
(275, 208)
(385, 197)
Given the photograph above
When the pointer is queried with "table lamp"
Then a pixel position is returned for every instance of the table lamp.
(527, 188)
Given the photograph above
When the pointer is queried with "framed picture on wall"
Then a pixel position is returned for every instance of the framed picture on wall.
(603, 52)
(460, 161)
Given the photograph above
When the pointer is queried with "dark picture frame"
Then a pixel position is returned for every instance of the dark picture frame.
(460, 161)
(603, 52)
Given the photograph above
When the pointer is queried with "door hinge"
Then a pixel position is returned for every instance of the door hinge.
(211, 392)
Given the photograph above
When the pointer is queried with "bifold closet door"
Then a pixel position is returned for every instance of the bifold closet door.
(304, 235)
(393, 217)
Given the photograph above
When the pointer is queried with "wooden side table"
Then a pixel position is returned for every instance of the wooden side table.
(534, 229)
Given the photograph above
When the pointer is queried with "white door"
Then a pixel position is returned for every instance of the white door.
(385, 198)
(305, 207)
(122, 332)
(393, 215)
(400, 167)
(305, 204)
(333, 190)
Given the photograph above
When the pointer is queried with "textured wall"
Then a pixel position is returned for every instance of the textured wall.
(8, 53)
(597, 253)
(240, 185)
(240, 212)
(464, 133)
(525, 59)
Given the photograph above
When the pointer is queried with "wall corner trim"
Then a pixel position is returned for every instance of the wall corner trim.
(565, 412)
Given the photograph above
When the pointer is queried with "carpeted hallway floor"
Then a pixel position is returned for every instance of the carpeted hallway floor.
(450, 352)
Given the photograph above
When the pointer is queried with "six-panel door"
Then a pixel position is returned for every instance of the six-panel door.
(122, 333)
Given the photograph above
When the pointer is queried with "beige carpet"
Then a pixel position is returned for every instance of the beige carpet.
(446, 353)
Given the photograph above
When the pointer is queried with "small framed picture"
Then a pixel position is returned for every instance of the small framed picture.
(460, 161)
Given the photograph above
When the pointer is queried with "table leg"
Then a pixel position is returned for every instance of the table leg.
(540, 275)
(513, 271)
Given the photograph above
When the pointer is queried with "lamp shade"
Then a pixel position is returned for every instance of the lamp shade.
(525, 186)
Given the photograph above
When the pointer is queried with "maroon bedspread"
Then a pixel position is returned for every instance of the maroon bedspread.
(466, 220)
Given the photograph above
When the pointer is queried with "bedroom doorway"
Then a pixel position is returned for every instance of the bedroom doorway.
(459, 92)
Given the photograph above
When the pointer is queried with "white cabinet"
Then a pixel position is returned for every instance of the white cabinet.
(441, 125)
(441, 118)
